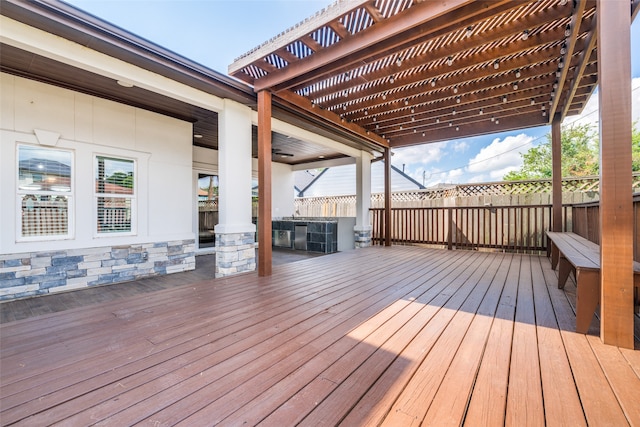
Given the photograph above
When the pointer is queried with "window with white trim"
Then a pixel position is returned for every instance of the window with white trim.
(114, 194)
(45, 192)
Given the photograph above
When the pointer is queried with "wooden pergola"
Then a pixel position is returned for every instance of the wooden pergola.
(408, 72)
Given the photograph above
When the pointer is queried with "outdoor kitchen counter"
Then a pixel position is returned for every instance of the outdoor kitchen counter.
(311, 234)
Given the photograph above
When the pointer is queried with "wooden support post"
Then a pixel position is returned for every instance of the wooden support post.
(616, 208)
(387, 197)
(556, 191)
(264, 183)
(449, 228)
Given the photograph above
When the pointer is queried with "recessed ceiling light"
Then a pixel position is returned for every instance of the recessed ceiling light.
(124, 83)
(321, 157)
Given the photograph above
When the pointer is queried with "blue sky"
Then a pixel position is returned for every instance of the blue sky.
(215, 32)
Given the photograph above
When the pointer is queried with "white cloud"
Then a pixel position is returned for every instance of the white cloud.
(478, 178)
(501, 156)
(460, 146)
(418, 154)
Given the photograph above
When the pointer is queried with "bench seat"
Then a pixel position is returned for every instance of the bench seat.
(582, 256)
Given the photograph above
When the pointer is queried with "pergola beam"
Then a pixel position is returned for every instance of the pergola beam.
(583, 61)
(485, 127)
(336, 120)
(357, 45)
(576, 21)
(299, 31)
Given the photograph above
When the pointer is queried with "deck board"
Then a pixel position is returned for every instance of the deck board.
(561, 401)
(378, 336)
(524, 398)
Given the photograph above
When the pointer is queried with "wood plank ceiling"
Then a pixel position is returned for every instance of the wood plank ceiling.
(407, 72)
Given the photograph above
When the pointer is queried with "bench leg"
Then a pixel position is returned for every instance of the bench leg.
(563, 272)
(555, 255)
(588, 298)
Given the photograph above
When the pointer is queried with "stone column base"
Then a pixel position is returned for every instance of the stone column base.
(363, 236)
(235, 253)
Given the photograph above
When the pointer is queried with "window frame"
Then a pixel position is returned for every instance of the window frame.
(133, 197)
(70, 195)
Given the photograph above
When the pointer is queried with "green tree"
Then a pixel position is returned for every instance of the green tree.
(580, 152)
(122, 179)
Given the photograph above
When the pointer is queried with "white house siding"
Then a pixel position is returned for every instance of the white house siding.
(341, 181)
(281, 194)
(163, 239)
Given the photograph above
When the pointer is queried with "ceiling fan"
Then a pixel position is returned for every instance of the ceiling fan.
(278, 152)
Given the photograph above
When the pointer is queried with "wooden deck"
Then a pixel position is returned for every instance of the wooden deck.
(394, 336)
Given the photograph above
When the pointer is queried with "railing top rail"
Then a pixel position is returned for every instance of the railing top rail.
(463, 207)
(636, 198)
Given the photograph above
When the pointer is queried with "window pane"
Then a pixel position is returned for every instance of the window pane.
(114, 176)
(44, 169)
(44, 215)
(114, 214)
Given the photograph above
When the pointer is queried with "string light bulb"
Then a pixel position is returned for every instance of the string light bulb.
(469, 30)
(450, 61)
(518, 73)
(525, 35)
(433, 83)
(496, 64)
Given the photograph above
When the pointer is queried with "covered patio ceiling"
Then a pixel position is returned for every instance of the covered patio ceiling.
(407, 72)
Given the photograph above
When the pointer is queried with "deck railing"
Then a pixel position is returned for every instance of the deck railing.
(509, 228)
(586, 222)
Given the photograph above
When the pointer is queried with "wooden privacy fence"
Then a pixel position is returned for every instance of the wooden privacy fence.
(586, 223)
(508, 228)
(537, 192)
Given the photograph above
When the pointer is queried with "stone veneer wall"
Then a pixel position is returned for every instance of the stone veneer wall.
(363, 237)
(38, 273)
(235, 253)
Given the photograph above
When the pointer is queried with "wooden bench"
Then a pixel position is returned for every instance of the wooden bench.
(582, 256)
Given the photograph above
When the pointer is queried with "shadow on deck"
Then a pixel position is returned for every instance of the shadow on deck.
(391, 336)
